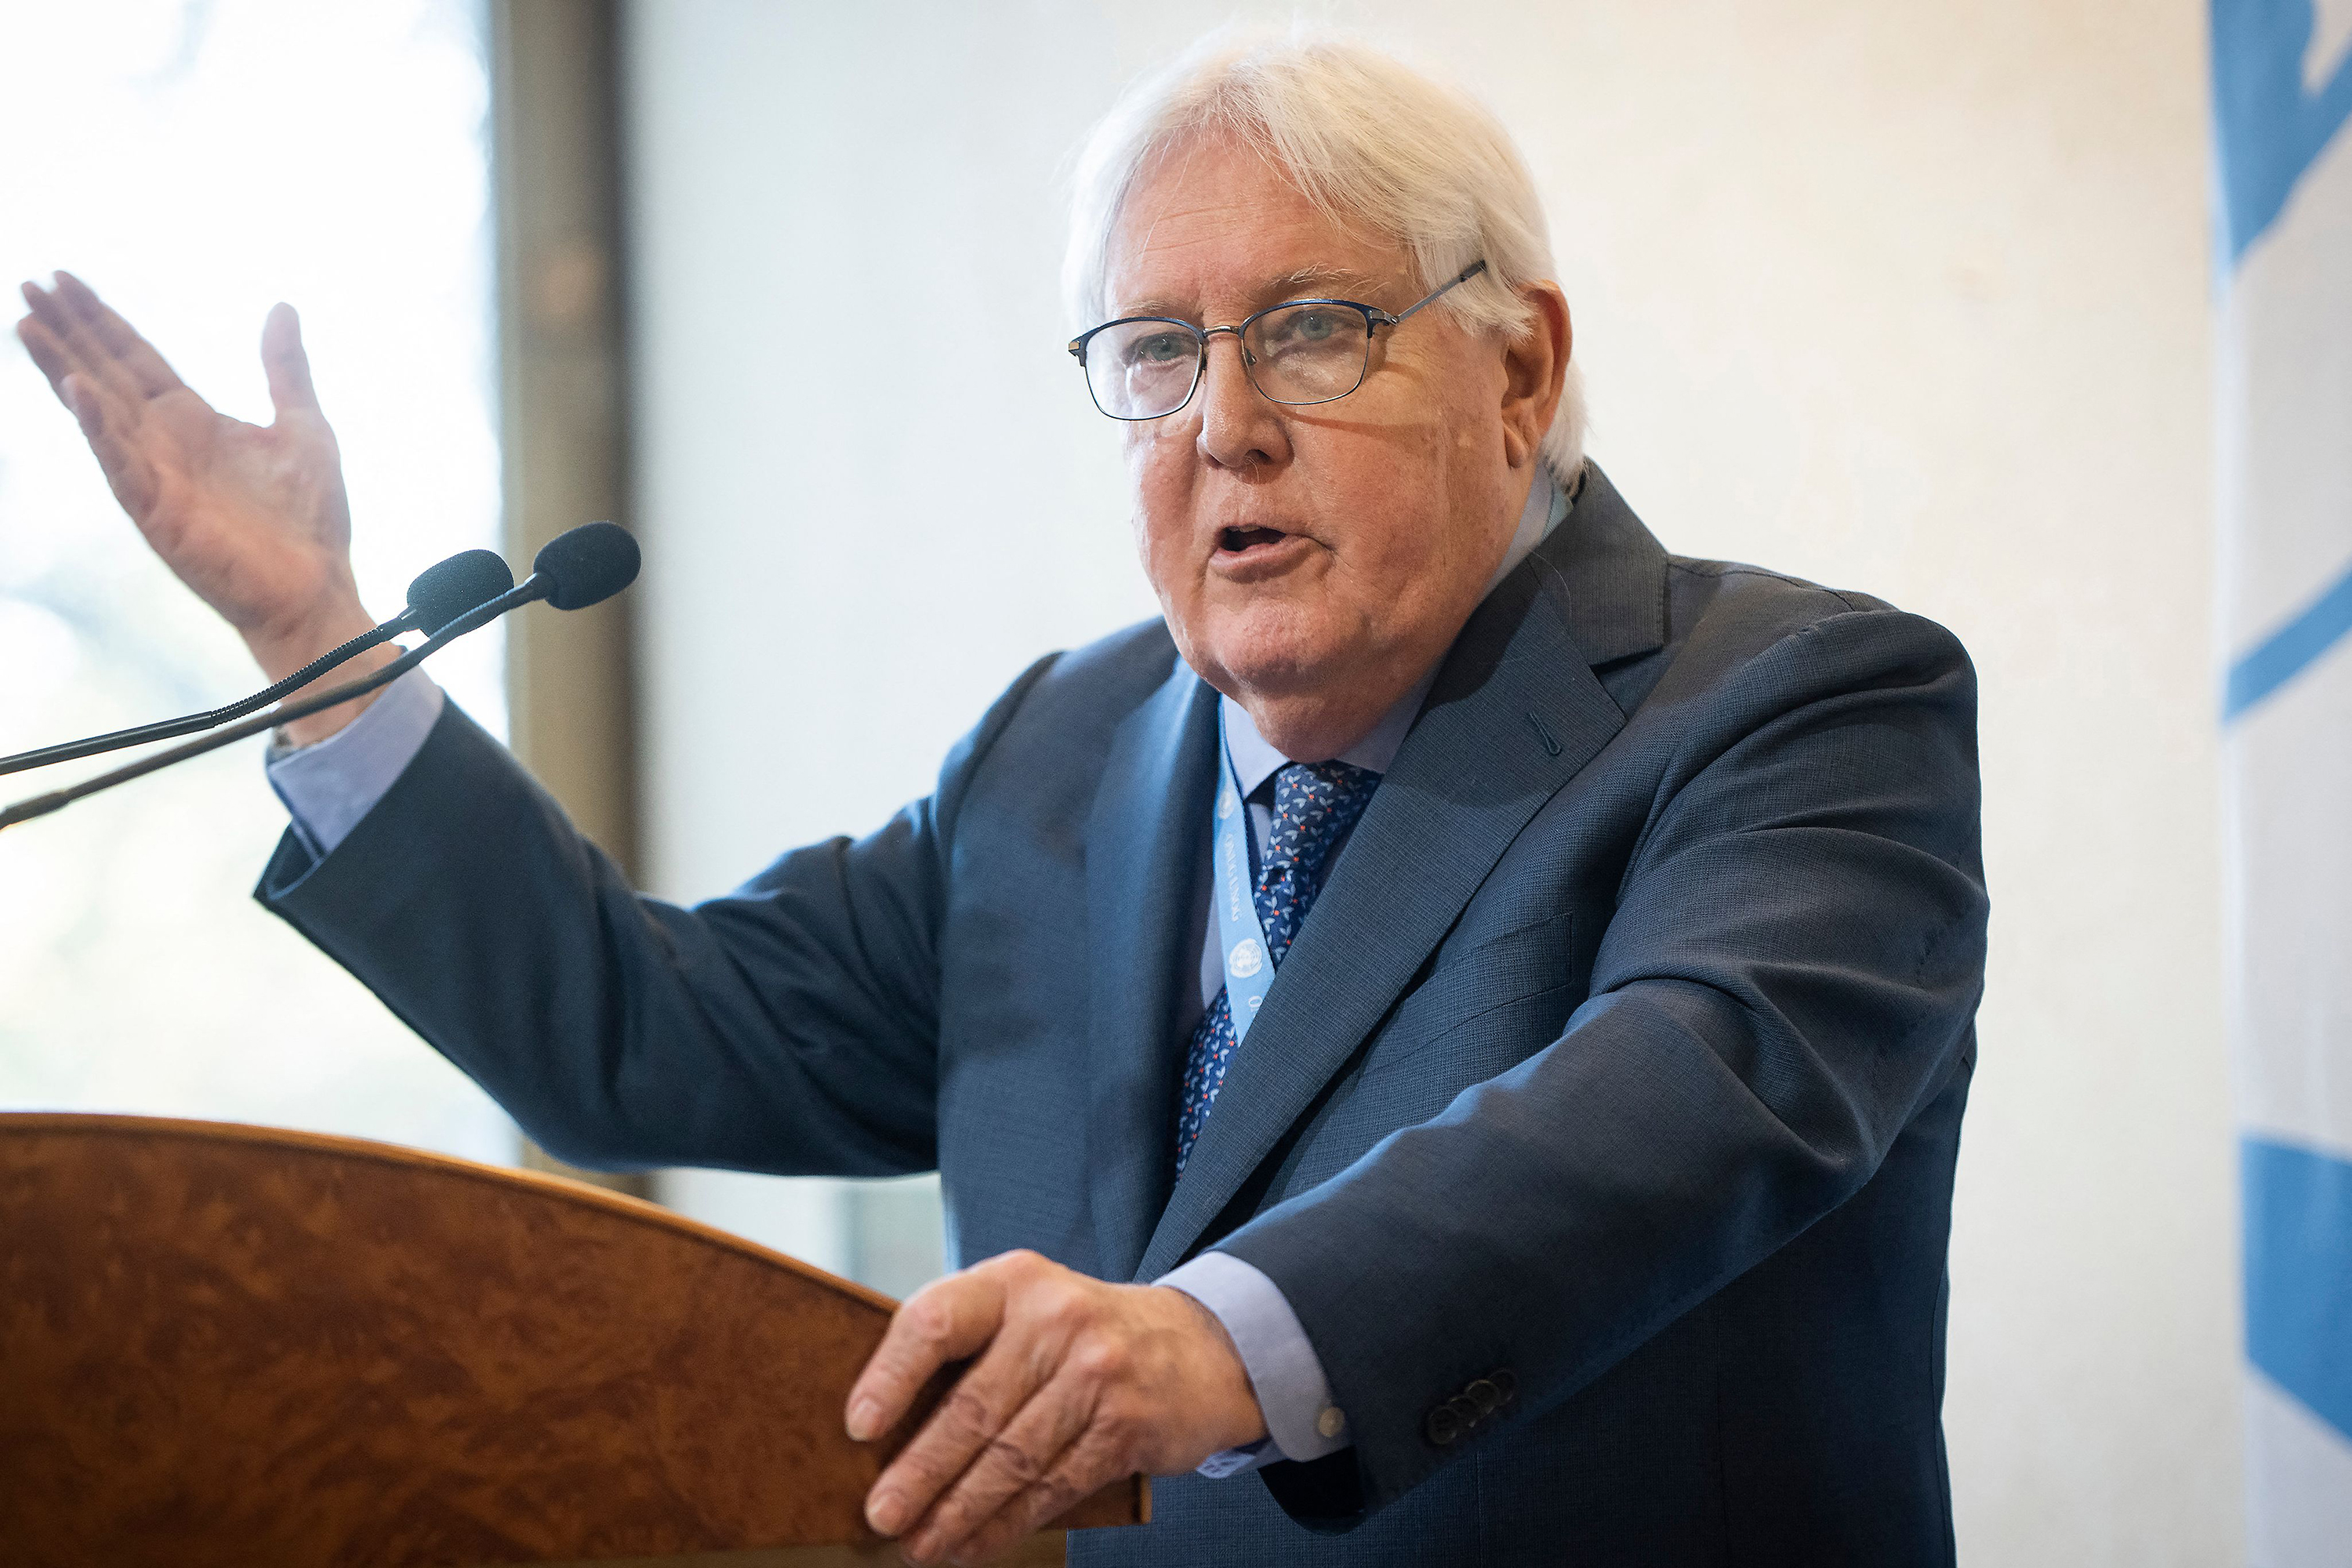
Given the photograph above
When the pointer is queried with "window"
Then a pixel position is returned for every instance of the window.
(196, 161)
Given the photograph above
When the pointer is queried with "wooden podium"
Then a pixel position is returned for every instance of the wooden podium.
(241, 1346)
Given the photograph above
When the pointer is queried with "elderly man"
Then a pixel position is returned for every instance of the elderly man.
(1452, 1047)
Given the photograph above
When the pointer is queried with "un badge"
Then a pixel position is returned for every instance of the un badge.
(1225, 804)
(1246, 958)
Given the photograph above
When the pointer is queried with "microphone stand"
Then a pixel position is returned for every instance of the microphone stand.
(443, 591)
(536, 586)
(66, 752)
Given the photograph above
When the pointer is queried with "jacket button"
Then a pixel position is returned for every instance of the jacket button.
(1483, 1394)
(1442, 1426)
(1507, 1386)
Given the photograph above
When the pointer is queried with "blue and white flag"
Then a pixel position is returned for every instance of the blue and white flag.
(2282, 124)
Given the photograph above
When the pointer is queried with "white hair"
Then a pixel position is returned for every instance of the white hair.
(1371, 142)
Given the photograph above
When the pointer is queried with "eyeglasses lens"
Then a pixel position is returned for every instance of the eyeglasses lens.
(1141, 370)
(1308, 353)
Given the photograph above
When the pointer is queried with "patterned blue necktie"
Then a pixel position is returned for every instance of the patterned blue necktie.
(1314, 803)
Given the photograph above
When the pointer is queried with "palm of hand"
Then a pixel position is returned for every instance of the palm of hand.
(253, 517)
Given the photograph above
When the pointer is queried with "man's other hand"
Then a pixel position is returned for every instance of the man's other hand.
(1072, 1383)
(251, 517)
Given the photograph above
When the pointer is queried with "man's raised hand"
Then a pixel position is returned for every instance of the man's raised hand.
(1073, 1383)
(253, 517)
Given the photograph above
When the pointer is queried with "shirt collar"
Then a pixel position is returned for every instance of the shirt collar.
(1254, 757)
(1548, 504)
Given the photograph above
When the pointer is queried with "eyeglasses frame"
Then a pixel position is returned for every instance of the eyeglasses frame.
(1374, 316)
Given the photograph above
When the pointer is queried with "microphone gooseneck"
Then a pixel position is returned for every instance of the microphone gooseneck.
(589, 570)
(440, 593)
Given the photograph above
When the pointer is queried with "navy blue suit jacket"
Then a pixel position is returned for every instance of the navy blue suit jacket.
(1600, 1126)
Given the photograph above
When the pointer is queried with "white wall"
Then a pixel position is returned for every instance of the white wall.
(1905, 298)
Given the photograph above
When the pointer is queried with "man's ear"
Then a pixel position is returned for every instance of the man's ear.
(1535, 368)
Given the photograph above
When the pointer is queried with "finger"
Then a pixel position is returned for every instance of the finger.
(147, 369)
(78, 342)
(1083, 1468)
(57, 366)
(288, 367)
(1012, 1465)
(46, 353)
(51, 312)
(972, 1430)
(110, 424)
(128, 472)
(947, 1319)
(974, 1414)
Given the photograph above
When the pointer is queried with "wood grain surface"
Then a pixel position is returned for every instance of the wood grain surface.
(238, 1345)
(1044, 1550)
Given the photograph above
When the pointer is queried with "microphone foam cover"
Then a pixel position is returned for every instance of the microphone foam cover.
(448, 589)
(588, 564)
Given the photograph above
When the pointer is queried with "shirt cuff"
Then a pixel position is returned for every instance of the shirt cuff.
(1285, 1372)
(328, 787)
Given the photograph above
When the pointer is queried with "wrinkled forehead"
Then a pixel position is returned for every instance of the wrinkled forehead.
(1212, 228)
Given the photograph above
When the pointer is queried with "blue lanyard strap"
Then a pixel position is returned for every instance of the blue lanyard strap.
(1241, 935)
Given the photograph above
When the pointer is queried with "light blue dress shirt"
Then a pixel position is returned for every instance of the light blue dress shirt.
(328, 787)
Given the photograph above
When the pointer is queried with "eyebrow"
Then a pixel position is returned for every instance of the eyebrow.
(1317, 277)
(1314, 280)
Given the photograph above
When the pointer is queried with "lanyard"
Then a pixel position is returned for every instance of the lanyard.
(1241, 936)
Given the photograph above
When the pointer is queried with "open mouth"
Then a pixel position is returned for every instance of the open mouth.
(1248, 553)
(1238, 541)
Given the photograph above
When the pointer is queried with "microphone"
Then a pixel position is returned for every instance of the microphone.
(584, 566)
(440, 593)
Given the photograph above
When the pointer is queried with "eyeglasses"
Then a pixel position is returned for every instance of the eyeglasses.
(1299, 351)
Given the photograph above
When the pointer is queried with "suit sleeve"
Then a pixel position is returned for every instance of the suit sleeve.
(1790, 971)
(790, 1027)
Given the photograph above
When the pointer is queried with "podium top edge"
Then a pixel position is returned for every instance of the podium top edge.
(16, 1125)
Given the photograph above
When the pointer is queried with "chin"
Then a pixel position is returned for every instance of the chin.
(1275, 651)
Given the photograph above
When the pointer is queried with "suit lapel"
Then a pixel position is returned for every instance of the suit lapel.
(1143, 852)
(1515, 713)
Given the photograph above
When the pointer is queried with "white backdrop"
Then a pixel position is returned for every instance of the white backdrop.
(1908, 299)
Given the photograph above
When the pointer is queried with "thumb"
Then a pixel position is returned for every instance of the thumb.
(288, 367)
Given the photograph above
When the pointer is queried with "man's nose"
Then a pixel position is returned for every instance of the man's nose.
(1240, 427)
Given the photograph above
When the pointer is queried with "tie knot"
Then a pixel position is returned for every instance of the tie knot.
(1314, 804)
